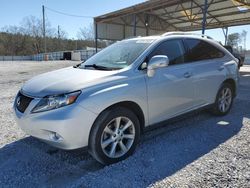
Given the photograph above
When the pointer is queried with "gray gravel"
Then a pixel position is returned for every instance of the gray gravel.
(198, 151)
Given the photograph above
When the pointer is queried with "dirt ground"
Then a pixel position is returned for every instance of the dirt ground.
(198, 151)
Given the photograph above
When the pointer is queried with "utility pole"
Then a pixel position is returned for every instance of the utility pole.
(44, 34)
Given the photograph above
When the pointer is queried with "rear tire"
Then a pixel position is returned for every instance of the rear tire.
(114, 135)
(224, 100)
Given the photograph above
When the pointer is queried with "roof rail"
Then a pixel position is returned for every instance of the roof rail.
(185, 33)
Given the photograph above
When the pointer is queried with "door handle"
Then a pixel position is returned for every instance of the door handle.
(221, 68)
(187, 74)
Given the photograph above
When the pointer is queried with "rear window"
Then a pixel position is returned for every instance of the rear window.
(200, 50)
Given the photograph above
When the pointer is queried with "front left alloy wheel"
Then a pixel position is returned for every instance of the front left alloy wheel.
(114, 135)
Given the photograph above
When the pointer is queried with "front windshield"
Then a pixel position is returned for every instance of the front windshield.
(118, 55)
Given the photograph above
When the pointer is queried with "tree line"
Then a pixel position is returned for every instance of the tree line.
(238, 40)
(27, 38)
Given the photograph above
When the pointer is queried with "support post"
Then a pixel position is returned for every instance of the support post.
(147, 25)
(124, 31)
(225, 34)
(44, 30)
(134, 24)
(96, 37)
(204, 17)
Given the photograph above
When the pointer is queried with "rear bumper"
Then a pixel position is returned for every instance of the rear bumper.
(66, 128)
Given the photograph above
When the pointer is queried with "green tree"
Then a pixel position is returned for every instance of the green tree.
(234, 40)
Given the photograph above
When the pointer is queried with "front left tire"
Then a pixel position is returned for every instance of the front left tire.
(114, 135)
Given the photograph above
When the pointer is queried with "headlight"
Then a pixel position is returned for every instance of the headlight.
(54, 102)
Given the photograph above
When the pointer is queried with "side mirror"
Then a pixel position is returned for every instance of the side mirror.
(156, 62)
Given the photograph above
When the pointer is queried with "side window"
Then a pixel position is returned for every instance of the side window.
(173, 49)
(201, 50)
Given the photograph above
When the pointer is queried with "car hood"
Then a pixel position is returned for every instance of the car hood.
(65, 80)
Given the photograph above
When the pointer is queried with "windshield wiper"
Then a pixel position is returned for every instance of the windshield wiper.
(76, 66)
(99, 67)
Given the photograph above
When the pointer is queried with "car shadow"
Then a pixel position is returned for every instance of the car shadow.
(29, 160)
(161, 153)
(168, 149)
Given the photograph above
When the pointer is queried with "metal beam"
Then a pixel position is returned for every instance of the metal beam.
(131, 25)
(147, 6)
(195, 19)
(229, 23)
(243, 2)
(124, 31)
(163, 20)
(96, 37)
(147, 24)
(124, 21)
(218, 16)
(44, 30)
(134, 27)
(225, 33)
(204, 21)
(194, 7)
(208, 12)
(184, 10)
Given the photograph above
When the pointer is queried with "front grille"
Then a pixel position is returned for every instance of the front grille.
(22, 102)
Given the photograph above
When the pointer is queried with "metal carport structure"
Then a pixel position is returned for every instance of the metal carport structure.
(158, 16)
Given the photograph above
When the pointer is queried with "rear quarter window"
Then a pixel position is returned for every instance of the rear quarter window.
(199, 50)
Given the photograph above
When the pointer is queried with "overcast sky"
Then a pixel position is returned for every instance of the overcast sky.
(13, 11)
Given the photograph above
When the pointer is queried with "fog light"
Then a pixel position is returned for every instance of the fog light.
(55, 136)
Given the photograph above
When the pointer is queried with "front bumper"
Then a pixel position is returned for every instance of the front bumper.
(66, 128)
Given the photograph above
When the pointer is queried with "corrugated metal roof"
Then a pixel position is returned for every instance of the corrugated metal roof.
(159, 16)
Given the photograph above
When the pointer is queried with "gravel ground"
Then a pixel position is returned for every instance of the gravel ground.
(199, 150)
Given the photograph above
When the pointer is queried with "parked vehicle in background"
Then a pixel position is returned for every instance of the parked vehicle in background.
(237, 54)
(106, 102)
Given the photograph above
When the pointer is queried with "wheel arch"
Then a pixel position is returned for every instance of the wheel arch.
(232, 83)
(134, 107)
(130, 105)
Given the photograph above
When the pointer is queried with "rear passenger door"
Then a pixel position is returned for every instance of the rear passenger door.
(208, 69)
(171, 89)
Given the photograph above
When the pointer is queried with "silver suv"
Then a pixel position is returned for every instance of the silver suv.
(106, 102)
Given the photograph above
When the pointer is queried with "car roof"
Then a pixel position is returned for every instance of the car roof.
(174, 35)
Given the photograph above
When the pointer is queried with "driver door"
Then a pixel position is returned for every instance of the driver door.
(171, 89)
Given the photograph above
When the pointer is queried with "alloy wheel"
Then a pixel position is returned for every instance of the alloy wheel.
(225, 99)
(118, 137)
